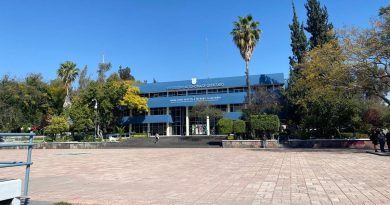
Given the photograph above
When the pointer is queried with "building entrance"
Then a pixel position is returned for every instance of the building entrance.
(179, 120)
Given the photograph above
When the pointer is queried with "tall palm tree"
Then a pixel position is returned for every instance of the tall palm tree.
(246, 34)
(68, 73)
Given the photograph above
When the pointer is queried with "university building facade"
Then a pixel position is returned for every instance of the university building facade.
(170, 103)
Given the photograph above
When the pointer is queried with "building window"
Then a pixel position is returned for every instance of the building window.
(215, 91)
(139, 128)
(172, 93)
(181, 93)
(176, 93)
(197, 92)
(163, 94)
(155, 95)
(236, 107)
(158, 111)
(223, 108)
(137, 113)
(160, 128)
(237, 90)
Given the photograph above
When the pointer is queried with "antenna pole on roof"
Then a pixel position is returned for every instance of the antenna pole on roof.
(207, 56)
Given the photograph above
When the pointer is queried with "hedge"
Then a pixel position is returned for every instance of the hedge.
(264, 122)
(239, 126)
(225, 126)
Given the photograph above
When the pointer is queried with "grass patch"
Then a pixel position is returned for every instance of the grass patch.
(62, 203)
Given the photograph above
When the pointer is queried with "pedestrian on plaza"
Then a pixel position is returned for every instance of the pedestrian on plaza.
(388, 140)
(156, 138)
(374, 139)
(381, 139)
(264, 138)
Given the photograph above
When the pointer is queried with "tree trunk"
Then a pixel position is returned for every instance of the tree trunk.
(248, 92)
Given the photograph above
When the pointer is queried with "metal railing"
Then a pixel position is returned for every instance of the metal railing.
(27, 163)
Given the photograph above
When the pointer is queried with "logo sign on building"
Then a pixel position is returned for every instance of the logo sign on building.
(193, 81)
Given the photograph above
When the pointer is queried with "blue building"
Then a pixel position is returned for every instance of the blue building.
(170, 103)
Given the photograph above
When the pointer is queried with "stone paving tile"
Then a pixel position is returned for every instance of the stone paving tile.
(205, 176)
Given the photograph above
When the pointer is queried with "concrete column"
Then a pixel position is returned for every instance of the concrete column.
(228, 108)
(168, 128)
(187, 123)
(208, 125)
(148, 128)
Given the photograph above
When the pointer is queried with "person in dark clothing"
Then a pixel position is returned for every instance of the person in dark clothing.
(388, 140)
(374, 140)
(156, 138)
(381, 139)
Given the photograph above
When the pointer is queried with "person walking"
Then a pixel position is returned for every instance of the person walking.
(381, 139)
(374, 139)
(388, 140)
(156, 138)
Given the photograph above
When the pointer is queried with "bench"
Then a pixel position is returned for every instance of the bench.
(10, 191)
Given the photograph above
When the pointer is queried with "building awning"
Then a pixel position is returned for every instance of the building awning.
(233, 115)
(147, 119)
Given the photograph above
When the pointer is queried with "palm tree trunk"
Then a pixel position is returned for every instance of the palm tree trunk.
(248, 92)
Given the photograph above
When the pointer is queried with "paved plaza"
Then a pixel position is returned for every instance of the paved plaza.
(205, 176)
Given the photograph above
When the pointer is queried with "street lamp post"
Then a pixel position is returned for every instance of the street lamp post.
(95, 107)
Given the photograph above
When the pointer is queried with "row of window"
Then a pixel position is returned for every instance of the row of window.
(194, 92)
(223, 108)
(202, 92)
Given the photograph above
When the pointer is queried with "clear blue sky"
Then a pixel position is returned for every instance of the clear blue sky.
(166, 40)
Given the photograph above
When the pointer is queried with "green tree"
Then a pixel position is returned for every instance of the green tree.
(133, 101)
(317, 24)
(225, 126)
(103, 68)
(246, 34)
(298, 40)
(84, 80)
(57, 94)
(265, 123)
(239, 127)
(203, 109)
(264, 101)
(125, 73)
(368, 51)
(11, 115)
(328, 103)
(68, 72)
(82, 117)
(57, 125)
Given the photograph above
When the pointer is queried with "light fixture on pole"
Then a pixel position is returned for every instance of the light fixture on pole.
(95, 107)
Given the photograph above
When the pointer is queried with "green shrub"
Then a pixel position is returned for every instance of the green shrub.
(230, 137)
(239, 126)
(265, 123)
(88, 138)
(62, 203)
(362, 135)
(57, 125)
(139, 135)
(349, 135)
(346, 135)
(225, 126)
